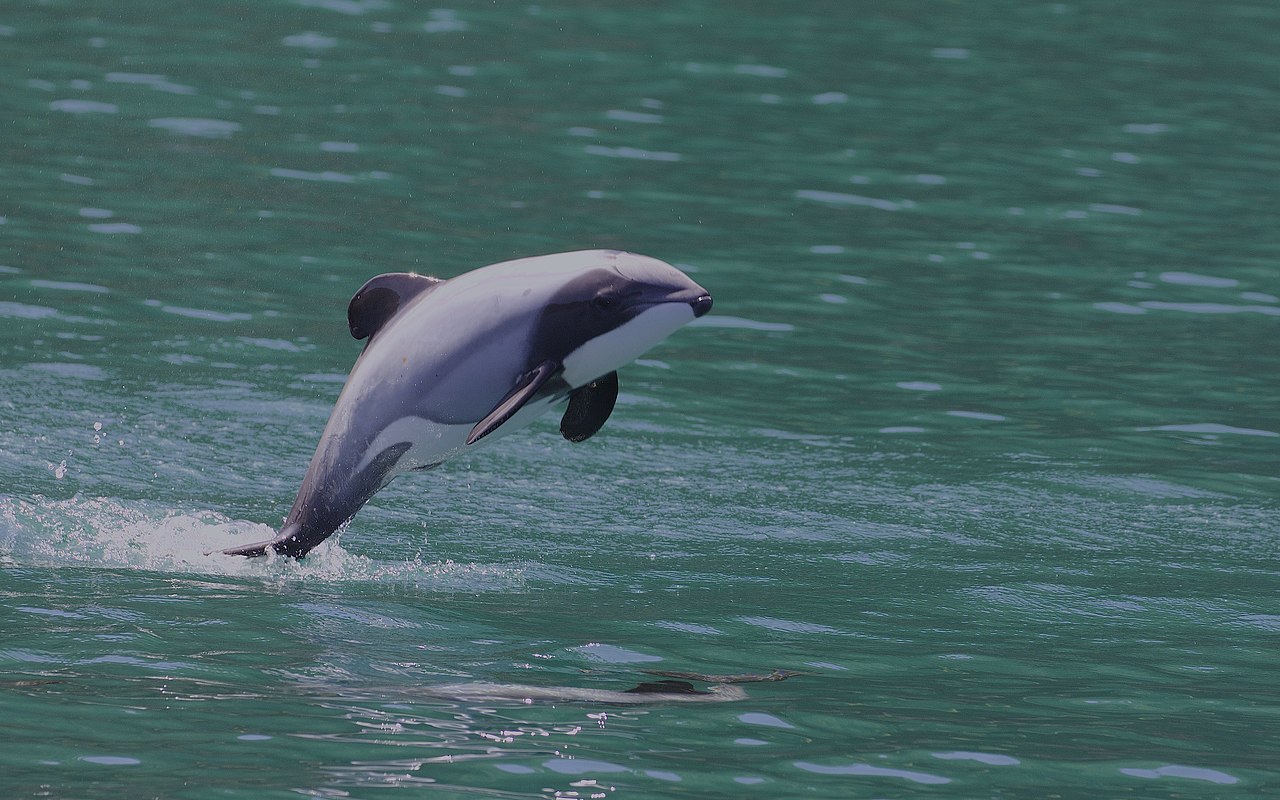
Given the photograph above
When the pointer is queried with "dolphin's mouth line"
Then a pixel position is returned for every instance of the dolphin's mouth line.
(700, 304)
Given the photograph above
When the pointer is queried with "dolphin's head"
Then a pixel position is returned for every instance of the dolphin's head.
(612, 309)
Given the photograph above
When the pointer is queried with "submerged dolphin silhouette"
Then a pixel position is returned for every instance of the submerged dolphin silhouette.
(450, 363)
(671, 688)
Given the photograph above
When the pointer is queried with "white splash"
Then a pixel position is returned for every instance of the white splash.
(132, 534)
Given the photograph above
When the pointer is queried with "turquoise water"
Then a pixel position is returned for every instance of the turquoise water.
(981, 437)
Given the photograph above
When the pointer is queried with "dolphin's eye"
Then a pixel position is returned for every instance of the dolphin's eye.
(605, 302)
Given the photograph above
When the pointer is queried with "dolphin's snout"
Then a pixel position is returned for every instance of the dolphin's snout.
(701, 305)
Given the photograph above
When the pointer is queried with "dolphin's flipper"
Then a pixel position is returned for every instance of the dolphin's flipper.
(526, 387)
(589, 407)
(381, 297)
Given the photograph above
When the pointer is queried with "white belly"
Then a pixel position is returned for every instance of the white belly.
(431, 443)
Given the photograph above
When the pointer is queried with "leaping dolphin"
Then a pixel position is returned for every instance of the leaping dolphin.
(450, 363)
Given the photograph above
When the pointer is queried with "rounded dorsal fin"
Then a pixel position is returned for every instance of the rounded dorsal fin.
(381, 297)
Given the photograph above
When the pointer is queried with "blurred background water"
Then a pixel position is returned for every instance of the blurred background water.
(981, 437)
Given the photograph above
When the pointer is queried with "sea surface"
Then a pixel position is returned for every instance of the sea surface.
(979, 449)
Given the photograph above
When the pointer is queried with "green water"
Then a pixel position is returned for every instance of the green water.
(981, 438)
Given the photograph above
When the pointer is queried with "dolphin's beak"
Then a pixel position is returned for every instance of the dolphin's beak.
(701, 305)
(691, 294)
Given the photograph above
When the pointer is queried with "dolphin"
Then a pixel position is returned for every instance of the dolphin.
(448, 364)
(669, 688)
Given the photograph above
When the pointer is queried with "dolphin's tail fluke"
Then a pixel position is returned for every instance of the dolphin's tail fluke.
(290, 542)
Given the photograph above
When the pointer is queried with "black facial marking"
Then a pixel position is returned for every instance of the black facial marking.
(588, 306)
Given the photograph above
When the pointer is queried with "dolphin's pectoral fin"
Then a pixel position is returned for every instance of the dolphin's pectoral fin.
(589, 407)
(381, 297)
(525, 389)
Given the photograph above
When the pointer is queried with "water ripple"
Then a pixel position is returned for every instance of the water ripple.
(1212, 428)
(631, 152)
(621, 115)
(76, 106)
(726, 321)
(843, 199)
(790, 626)
(1194, 279)
(113, 228)
(991, 759)
(326, 176)
(348, 7)
(158, 82)
(872, 771)
(206, 314)
(197, 126)
(1179, 771)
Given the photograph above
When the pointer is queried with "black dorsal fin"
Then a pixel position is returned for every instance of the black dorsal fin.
(665, 686)
(380, 299)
